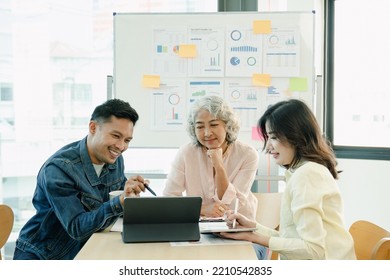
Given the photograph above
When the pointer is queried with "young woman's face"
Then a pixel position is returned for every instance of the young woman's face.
(211, 132)
(283, 153)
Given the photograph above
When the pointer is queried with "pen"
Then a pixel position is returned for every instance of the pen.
(235, 212)
(149, 189)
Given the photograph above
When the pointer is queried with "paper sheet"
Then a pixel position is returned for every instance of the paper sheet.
(118, 225)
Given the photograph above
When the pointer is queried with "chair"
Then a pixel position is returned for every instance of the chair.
(372, 242)
(268, 213)
(268, 209)
(6, 222)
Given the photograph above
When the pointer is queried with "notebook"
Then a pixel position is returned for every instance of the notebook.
(215, 227)
(160, 219)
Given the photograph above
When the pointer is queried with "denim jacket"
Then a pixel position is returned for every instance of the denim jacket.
(71, 203)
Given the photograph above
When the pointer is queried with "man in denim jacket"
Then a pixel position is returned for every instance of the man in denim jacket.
(72, 192)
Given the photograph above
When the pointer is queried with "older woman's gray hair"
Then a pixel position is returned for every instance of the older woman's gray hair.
(217, 107)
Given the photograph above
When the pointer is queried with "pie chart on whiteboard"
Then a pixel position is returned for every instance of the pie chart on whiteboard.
(174, 99)
(234, 61)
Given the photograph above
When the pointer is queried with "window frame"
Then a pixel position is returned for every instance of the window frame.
(347, 152)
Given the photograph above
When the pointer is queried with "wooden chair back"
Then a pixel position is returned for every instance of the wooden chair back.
(268, 213)
(268, 209)
(372, 242)
(6, 224)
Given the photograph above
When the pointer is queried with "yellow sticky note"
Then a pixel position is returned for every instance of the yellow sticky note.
(261, 80)
(187, 50)
(298, 84)
(151, 81)
(262, 26)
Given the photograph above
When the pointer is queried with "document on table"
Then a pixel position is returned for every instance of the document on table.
(118, 225)
(205, 239)
(206, 226)
(210, 219)
(210, 227)
(203, 226)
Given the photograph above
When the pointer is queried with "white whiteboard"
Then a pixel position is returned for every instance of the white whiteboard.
(230, 51)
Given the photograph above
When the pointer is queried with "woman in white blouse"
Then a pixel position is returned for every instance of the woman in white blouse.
(311, 221)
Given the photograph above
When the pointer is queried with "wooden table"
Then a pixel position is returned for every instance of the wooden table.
(109, 246)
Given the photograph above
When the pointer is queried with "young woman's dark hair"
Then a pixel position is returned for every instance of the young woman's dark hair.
(293, 122)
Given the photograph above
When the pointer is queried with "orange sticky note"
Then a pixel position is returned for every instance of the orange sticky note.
(187, 50)
(256, 135)
(261, 80)
(151, 81)
(262, 26)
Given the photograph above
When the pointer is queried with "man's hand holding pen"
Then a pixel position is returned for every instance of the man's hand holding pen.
(149, 189)
(133, 187)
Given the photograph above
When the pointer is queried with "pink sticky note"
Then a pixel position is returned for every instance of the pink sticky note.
(256, 135)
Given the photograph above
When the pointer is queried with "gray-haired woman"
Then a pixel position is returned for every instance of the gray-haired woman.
(215, 165)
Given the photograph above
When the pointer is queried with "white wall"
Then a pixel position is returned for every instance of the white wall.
(365, 187)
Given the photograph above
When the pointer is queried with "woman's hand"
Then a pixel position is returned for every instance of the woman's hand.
(216, 157)
(250, 236)
(244, 235)
(214, 210)
(241, 220)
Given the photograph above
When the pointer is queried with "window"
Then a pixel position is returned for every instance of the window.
(6, 92)
(51, 79)
(356, 78)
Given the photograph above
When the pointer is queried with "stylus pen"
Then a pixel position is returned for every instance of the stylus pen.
(235, 212)
(149, 189)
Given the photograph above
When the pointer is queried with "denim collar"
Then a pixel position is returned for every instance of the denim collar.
(88, 166)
